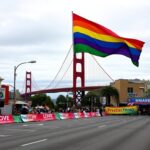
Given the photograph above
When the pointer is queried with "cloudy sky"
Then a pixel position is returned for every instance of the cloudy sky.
(41, 30)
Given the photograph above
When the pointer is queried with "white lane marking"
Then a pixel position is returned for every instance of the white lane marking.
(53, 127)
(21, 130)
(34, 142)
(101, 126)
(2, 135)
(25, 125)
(41, 124)
(86, 119)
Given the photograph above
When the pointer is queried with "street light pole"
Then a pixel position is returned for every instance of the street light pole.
(15, 74)
(1, 79)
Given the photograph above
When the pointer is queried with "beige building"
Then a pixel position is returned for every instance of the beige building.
(129, 88)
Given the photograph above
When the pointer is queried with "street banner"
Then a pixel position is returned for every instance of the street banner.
(139, 101)
(57, 116)
(76, 115)
(88, 115)
(93, 114)
(79, 115)
(17, 118)
(62, 115)
(71, 115)
(121, 110)
(6, 119)
(46, 117)
(66, 115)
(29, 117)
(98, 114)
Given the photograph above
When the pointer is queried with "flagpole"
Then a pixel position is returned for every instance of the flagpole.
(74, 66)
(77, 96)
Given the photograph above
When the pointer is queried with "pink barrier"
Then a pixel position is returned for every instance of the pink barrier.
(66, 115)
(46, 117)
(29, 117)
(88, 115)
(79, 115)
(93, 114)
(38, 117)
(6, 119)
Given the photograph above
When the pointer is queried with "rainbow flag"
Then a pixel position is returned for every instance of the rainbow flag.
(97, 40)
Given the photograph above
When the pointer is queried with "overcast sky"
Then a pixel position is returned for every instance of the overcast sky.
(41, 30)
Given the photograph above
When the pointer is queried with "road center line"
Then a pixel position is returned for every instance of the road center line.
(101, 126)
(34, 142)
(40, 124)
(2, 135)
(25, 125)
(23, 130)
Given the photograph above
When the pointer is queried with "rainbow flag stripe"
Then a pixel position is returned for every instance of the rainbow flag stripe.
(97, 40)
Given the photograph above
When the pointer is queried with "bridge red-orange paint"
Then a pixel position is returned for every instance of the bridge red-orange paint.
(68, 89)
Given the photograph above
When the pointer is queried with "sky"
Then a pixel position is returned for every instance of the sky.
(41, 30)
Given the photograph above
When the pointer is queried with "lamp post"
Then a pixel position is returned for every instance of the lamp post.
(1, 95)
(1, 79)
(15, 74)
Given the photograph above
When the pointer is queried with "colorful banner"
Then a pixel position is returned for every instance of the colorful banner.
(93, 114)
(88, 115)
(46, 117)
(121, 110)
(98, 114)
(29, 117)
(66, 115)
(57, 116)
(6, 119)
(79, 115)
(17, 118)
(139, 101)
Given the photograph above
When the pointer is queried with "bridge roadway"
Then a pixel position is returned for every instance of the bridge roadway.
(100, 133)
(67, 89)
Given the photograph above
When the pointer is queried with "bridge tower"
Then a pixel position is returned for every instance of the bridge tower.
(28, 85)
(78, 74)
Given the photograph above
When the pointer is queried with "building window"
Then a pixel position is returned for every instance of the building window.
(130, 90)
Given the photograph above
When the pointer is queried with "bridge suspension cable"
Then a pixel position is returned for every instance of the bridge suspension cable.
(60, 68)
(102, 68)
(23, 87)
(55, 83)
(34, 83)
(64, 73)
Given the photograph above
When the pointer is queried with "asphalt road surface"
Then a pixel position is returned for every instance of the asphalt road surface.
(100, 133)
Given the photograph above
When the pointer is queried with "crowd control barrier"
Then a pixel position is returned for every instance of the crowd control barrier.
(6, 119)
(45, 117)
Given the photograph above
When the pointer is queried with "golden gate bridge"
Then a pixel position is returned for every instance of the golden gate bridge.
(76, 68)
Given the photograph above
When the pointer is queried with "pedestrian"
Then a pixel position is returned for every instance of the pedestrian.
(101, 109)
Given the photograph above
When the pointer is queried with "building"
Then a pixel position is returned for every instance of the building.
(130, 88)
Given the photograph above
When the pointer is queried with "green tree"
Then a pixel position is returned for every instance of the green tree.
(109, 92)
(42, 99)
(69, 101)
(147, 93)
(61, 102)
(90, 99)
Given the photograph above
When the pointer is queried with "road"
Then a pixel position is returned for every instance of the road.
(100, 133)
